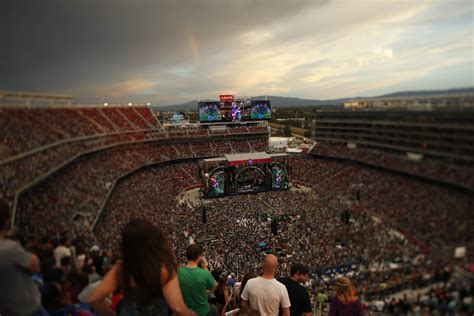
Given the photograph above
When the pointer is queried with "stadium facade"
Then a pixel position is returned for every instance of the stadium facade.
(445, 134)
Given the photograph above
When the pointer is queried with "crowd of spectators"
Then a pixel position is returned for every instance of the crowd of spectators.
(430, 168)
(395, 227)
(385, 257)
(18, 172)
(443, 298)
(311, 220)
(427, 214)
(76, 193)
(380, 262)
(25, 129)
(80, 189)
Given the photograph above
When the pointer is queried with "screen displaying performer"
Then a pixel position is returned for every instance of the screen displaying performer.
(216, 184)
(279, 177)
(234, 111)
(209, 111)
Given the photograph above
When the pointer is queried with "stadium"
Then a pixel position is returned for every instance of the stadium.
(382, 196)
(236, 158)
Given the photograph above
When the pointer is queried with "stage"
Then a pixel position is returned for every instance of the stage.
(244, 173)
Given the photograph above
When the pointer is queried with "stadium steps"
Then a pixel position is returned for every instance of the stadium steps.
(101, 128)
(132, 124)
(115, 126)
(144, 120)
(250, 146)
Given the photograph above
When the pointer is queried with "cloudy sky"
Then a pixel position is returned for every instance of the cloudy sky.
(168, 52)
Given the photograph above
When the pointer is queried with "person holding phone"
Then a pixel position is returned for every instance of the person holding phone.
(195, 280)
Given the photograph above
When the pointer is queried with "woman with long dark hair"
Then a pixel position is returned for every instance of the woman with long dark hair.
(147, 274)
(345, 303)
(237, 298)
(221, 293)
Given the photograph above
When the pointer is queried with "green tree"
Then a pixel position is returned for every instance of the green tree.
(287, 131)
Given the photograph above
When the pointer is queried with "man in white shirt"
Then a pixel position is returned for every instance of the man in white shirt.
(265, 294)
(61, 251)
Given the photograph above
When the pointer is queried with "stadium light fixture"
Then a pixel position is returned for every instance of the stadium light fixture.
(129, 103)
(105, 104)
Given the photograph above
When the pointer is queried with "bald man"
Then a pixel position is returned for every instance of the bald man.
(265, 294)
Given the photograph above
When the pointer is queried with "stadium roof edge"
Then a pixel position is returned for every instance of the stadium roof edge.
(23, 94)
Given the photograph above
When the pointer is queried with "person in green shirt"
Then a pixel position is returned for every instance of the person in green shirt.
(322, 299)
(194, 280)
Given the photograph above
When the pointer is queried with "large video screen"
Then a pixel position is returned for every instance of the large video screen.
(216, 183)
(209, 111)
(260, 110)
(279, 177)
(232, 111)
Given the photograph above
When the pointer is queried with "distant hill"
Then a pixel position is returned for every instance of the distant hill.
(279, 101)
(429, 92)
(191, 105)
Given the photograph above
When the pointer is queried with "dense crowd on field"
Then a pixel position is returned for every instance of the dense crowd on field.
(424, 213)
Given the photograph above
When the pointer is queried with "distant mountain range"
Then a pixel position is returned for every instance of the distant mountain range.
(279, 101)
(429, 92)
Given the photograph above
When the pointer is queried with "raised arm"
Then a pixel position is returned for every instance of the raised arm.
(173, 296)
(228, 299)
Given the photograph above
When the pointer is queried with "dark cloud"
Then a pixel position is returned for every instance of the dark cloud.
(168, 52)
(69, 45)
